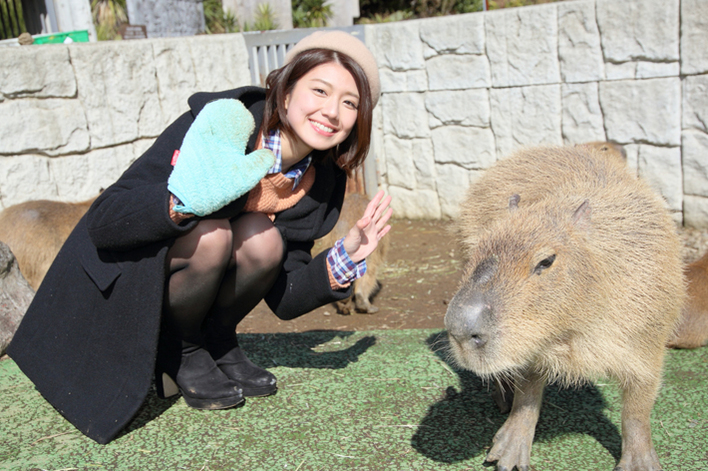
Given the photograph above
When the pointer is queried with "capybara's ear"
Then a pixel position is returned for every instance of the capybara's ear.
(514, 202)
(581, 217)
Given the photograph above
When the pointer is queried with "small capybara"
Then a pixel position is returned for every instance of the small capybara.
(36, 230)
(610, 148)
(573, 272)
(692, 331)
(366, 287)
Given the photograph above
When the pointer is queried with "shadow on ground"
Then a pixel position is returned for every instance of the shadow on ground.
(463, 423)
(293, 350)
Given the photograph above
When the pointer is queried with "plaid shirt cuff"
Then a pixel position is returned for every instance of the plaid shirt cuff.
(343, 268)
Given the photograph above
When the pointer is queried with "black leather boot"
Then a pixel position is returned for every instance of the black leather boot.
(188, 368)
(228, 356)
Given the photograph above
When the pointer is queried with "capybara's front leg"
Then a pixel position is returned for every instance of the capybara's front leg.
(512, 443)
(638, 452)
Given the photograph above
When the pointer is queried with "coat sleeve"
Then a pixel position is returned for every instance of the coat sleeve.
(303, 284)
(134, 211)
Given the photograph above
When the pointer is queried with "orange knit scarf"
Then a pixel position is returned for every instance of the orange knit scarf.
(275, 193)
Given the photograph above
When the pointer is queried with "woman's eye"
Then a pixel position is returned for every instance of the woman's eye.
(351, 104)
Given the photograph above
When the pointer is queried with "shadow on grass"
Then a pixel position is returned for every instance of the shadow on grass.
(462, 425)
(293, 350)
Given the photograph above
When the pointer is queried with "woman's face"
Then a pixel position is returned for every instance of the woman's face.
(322, 107)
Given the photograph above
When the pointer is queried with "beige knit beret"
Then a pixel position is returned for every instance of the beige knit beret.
(343, 42)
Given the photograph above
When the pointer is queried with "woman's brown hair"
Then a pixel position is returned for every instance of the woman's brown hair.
(280, 83)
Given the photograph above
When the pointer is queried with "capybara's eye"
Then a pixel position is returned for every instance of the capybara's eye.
(543, 264)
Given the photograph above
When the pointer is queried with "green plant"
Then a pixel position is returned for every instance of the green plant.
(12, 22)
(264, 19)
(497, 4)
(311, 13)
(217, 20)
(108, 16)
(399, 15)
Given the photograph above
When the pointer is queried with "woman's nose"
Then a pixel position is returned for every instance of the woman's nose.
(330, 109)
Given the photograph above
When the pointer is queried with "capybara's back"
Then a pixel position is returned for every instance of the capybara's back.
(573, 273)
(36, 230)
(366, 287)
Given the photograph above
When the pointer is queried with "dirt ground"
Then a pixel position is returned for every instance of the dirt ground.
(420, 277)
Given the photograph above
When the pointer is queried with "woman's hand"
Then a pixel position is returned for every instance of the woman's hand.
(363, 238)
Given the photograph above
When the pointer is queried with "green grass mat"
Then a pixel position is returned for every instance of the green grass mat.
(380, 400)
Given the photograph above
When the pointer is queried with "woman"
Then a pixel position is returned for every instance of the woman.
(210, 220)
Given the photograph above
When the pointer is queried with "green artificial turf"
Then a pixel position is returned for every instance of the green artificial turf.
(379, 400)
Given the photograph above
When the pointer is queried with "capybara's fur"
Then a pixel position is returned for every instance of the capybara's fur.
(366, 287)
(573, 272)
(36, 230)
(692, 331)
(612, 149)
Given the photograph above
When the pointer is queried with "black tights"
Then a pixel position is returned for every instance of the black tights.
(220, 271)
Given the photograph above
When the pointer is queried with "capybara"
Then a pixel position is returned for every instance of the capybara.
(573, 272)
(366, 287)
(610, 148)
(36, 230)
(692, 331)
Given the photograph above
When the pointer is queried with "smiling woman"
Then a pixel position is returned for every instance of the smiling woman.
(219, 214)
(321, 111)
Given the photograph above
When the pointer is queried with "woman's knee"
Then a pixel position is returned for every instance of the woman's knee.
(258, 244)
(208, 245)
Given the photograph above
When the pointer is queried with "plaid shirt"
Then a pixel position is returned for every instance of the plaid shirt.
(273, 143)
(343, 268)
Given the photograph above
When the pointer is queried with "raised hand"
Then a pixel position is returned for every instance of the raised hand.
(362, 239)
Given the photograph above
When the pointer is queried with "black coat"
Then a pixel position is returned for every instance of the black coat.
(89, 339)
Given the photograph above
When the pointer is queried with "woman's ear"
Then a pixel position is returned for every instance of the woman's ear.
(287, 101)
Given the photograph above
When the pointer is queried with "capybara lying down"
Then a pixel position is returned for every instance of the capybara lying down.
(36, 230)
(573, 272)
(610, 148)
(692, 330)
(366, 287)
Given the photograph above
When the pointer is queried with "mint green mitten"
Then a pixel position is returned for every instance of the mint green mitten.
(212, 169)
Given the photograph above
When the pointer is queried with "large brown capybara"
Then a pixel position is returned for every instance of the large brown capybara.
(366, 287)
(692, 331)
(573, 272)
(36, 230)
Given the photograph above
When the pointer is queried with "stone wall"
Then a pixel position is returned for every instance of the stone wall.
(462, 91)
(167, 18)
(458, 93)
(72, 118)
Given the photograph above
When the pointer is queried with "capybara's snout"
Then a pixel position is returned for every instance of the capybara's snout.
(467, 319)
(470, 314)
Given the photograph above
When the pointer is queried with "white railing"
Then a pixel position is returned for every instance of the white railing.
(267, 49)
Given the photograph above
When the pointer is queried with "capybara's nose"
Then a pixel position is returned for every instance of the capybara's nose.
(467, 318)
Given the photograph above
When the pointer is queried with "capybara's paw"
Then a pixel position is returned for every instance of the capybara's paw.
(645, 462)
(345, 307)
(512, 447)
(363, 305)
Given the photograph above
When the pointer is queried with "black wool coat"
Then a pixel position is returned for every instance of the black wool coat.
(89, 339)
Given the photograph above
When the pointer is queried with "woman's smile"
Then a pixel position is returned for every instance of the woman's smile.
(322, 110)
(322, 128)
